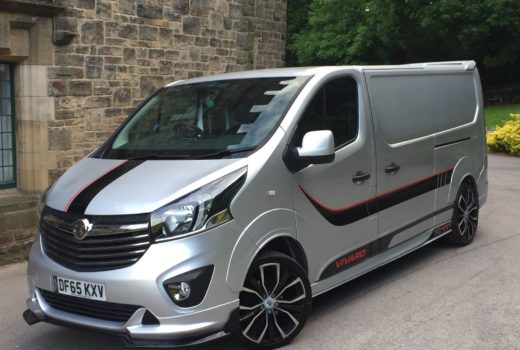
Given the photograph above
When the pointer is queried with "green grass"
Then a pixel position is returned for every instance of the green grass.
(498, 115)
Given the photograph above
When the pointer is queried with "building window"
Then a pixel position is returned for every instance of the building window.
(7, 126)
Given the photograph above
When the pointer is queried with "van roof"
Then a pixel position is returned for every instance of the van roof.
(306, 71)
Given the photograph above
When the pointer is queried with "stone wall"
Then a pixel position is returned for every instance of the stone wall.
(80, 67)
(123, 50)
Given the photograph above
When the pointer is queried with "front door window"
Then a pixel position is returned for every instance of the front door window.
(7, 138)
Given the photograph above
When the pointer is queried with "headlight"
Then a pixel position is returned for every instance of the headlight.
(42, 202)
(200, 210)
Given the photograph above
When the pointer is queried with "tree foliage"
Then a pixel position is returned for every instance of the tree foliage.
(404, 31)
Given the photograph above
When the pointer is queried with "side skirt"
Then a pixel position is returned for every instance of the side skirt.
(323, 286)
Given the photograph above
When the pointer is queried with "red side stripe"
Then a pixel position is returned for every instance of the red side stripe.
(338, 210)
(90, 183)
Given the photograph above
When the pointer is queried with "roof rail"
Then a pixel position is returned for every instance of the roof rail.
(467, 65)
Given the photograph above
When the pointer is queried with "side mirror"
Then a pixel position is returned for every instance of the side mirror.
(317, 147)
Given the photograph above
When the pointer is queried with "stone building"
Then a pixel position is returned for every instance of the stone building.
(72, 70)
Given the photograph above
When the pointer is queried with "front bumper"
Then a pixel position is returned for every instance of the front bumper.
(142, 284)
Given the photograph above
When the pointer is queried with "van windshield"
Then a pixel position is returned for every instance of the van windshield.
(215, 119)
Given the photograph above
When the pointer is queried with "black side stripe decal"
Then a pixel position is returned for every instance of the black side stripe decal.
(361, 210)
(79, 204)
(375, 247)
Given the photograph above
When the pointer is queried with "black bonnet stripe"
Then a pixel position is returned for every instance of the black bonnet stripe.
(80, 202)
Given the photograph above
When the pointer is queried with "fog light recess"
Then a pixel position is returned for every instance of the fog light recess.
(189, 289)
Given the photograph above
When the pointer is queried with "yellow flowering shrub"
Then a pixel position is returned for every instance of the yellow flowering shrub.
(506, 138)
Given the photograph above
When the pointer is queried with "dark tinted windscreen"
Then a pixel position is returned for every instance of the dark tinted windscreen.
(194, 120)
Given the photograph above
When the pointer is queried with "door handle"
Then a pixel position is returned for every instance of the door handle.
(360, 177)
(392, 169)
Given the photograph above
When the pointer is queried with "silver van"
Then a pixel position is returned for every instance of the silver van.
(225, 203)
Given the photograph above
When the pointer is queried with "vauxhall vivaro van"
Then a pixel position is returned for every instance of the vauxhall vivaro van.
(225, 203)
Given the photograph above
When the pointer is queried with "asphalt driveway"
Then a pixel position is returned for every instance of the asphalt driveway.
(439, 297)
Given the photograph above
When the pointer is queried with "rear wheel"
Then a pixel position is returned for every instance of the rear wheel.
(274, 302)
(465, 216)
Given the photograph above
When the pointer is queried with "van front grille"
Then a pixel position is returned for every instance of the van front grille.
(91, 308)
(110, 244)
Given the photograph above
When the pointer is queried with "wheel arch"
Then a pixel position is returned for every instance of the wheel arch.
(463, 172)
(288, 246)
(273, 230)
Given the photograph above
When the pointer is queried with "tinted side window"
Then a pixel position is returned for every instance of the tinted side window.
(334, 108)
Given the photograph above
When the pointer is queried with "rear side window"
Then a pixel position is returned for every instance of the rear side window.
(406, 107)
(334, 107)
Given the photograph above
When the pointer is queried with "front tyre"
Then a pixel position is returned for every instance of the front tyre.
(465, 216)
(274, 302)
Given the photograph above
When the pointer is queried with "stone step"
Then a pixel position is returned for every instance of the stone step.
(17, 227)
(15, 203)
(15, 245)
(18, 219)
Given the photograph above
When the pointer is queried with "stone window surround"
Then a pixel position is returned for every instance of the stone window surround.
(26, 41)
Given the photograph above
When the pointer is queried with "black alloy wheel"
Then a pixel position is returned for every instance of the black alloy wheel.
(274, 302)
(465, 216)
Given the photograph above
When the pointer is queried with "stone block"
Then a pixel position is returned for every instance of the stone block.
(216, 20)
(96, 102)
(60, 139)
(110, 71)
(67, 24)
(149, 84)
(61, 59)
(10, 253)
(113, 60)
(166, 37)
(155, 53)
(148, 10)
(5, 237)
(104, 10)
(122, 97)
(245, 41)
(128, 31)
(127, 7)
(102, 91)
(65, 72)
(28, 218)
(203, 5)
(80, 88)
(95, 123)
(148, 33)
(57, 88)
(181, 7)
(87, 4)
(63, 114)
(92, 32)
(25, 234)
(110, 51)
(112, 112)
(235, 11)
(93, 67)
(165, 67)
(191, 25)
(129, 56)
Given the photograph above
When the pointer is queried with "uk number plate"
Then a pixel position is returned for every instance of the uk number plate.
(87, 290)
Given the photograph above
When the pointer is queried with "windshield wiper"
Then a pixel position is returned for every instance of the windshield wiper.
(161, 156)
(225, 152)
